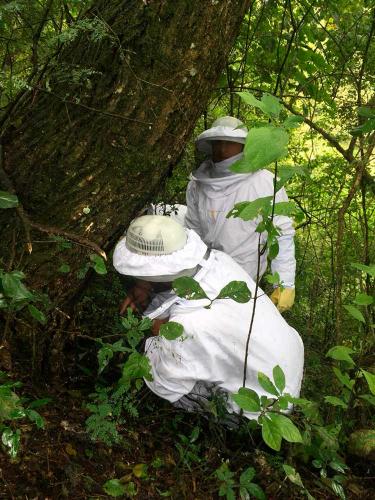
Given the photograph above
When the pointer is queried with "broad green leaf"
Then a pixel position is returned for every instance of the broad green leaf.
(287, 208)
(98, 263)
(256, 491)
(247, 399)
(284, 173)
(137, 366)
(293, 121)
(247, 476)
(333, 400)
(273, 248)
(337, 487)
(264, 145)
(270, 105)
(188, 288)
(266, 383)
(248, 210)
(286, 428)
(366, 269)
(341, 353)
(35, 417)
(271, 434)
(114, 488)
(14, 289)
(344, 378)
(236, 290)
(370, 378)
(356, 313)
(8, 200)
(293, 475)
(365, 128)
(362, 299)
(279, 378)
(37, 314)
(171, 330)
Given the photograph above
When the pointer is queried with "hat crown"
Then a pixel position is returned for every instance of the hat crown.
(229, 122)
(155, 235)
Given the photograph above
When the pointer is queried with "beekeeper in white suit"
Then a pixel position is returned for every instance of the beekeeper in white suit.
(210, 357)
(214, 190)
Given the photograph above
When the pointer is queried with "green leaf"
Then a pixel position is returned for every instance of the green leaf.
(356, 313)
(266, 383)
(366, 127)
(114, 488)
(8, 200)
(333, 400)
(64, 268)
(341, 353)
(293, 121)
(293, 475)
(247, 399)
(279, 378)
(247, 476)
(98, 263)
(366, 269)
(286, 428)
(270, 105)
(287, 208)
(188, 288)
(248, 210)
(34, 416)
(256, 491)
(264, 145)
(271, 434)
(366, 112)
(137, 366)
(237, 291)
(37, 314)
(369, 398)
(370, 378)
(273, 279)
(14, 289)
(171, 330)
(362, 299)
(11, 439)
(344, 378)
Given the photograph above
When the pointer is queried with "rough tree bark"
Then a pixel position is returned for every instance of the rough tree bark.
(110, 144)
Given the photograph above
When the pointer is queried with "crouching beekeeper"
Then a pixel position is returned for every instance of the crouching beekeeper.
(208, 359)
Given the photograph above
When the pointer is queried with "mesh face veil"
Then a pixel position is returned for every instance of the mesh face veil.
(155, 235)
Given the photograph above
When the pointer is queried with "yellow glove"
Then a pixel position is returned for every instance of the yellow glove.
(283, 299)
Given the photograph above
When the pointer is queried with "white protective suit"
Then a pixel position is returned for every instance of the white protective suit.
(212, 193)
(213, 346)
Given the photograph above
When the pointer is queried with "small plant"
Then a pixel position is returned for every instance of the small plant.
(12, 409)
(244, 486)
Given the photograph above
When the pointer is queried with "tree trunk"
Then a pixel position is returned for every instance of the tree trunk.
(93, 141)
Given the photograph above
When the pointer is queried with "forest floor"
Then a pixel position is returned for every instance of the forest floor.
(156, 458)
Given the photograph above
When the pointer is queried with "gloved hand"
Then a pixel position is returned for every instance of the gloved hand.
(283, 299)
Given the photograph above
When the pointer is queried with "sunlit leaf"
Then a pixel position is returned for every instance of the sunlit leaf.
(341, 353)
(370, 378)
(247, 400)
(98, 263)
(270, 433)
(266, 383)
(279, 378)
(286, 428)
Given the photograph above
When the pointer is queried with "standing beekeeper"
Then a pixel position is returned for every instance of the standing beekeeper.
(214, 190)
(209, 358)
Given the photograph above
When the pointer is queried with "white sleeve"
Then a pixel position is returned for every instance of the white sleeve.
(284, 263)
(192, 216)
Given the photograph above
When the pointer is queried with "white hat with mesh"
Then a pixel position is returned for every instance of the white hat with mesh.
(226, 128)
(158, 248)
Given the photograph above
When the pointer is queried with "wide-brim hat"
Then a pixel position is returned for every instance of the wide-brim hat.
(226, 128)
(160, 268)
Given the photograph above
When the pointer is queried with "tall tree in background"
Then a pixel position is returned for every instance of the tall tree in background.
(103, 115)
